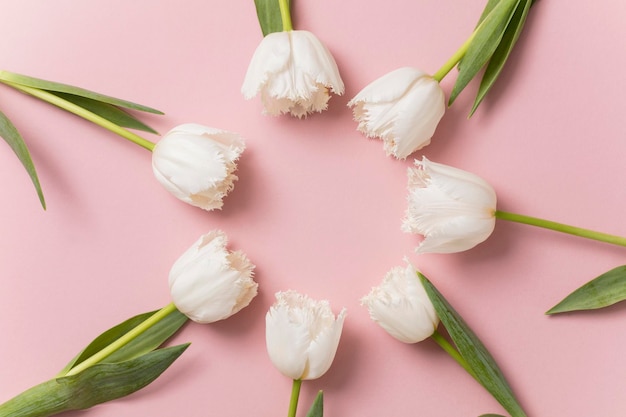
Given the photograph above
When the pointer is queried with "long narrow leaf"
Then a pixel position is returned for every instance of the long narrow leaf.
(70, 89)
(108, 111)
(95, 385)
(146, 342)
(473, 351)
(482, 47)
(9, 133)
(491, 4)
(317, 408)
(605, 290)
(501, 54)
(268, 12)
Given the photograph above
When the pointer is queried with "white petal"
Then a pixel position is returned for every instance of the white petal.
(293, 71)
(388, 88)
(401, 306)
(287, 342)
(403, 108)
(196, 163)
(271, 56)
(324, 347)
(205, 286)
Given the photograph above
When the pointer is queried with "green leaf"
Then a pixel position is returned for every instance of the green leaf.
(476, 355)
(317, 408)
(146, 342)
(268, 12)
(491, 415)
(95, 385)
(69, 89)
(486, 40)
(108, 111)
(605, 290)
(9, 133)
(502, 52)
(491, 4)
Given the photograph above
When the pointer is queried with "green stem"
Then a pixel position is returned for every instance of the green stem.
(452, 351)
(295, 394)
(85, 114)
(454, 59)
(285, 15)
(122, 341)
(560, 227)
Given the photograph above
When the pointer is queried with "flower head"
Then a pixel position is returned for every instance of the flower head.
(401, 306)
(196, 163)
(302, 335)
(402, 108)
(293, 72)
(208, 283)
(453, 209)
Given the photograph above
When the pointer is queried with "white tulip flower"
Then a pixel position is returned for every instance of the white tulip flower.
(293, 71)
(209, 283)
(302, 335)
(401, 306)
(197, 163)
(403, 108)
(453, 210)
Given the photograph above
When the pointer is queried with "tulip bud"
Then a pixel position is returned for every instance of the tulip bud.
(196, 163)
(401, 306)
(453, 209)
(293, 71)
(403, 108)
(302, 335)
(208, 283)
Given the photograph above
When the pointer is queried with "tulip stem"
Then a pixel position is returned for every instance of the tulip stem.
(84, 113)
(295, 395)
(454, 59)
(452, 351)
(285, 15)
(560, 227)
(122, 341)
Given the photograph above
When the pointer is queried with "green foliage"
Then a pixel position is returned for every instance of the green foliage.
(107, 107)
(480, 361)
(605, 290)
(95, 385)
(9, 133)
(149, 340)
(11, 77)
(107, 111)
(495, 36)
(268, 12)
(317, 408)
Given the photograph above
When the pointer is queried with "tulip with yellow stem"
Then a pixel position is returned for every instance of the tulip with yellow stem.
(207, 283)
(302, 336)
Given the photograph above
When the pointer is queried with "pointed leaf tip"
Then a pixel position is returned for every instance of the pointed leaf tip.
(317, 408)
(603, 291)
(12, 137)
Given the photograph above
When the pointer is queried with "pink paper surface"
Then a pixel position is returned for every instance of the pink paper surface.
(318, 207)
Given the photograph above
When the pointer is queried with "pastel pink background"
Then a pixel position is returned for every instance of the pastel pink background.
(317, 207)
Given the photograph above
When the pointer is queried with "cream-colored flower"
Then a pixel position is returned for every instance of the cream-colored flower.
(401, 306)
(197, 163)
(453, 209)
(293, 71)
(209, 283)
(302, 335)
(403, 108)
